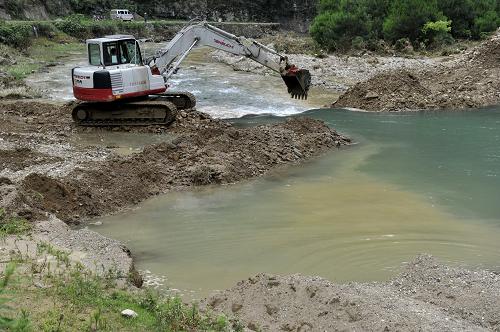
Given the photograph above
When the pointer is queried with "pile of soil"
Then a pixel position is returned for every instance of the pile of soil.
(472, 81)
(205, 151)
(427, 296)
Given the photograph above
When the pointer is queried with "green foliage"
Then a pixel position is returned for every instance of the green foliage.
(72, 25)
(16, 35)
(13, 225)
(20, 324)
(341, 21)
(437, 27)
(407, 17)
(487, 22)
(341, 24)
(438, 33)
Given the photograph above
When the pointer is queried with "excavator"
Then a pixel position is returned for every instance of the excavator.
(119, 87)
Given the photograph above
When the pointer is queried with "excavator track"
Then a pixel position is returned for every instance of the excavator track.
(135, 113)
(181, 100)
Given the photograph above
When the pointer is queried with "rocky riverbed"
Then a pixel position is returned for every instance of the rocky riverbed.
(334, 72)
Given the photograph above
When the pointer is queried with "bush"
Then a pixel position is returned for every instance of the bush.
(487, 22)
(45, 29)
(438, 33)
(18, 35)
(407, 17)
(73, 25)
(340, 23)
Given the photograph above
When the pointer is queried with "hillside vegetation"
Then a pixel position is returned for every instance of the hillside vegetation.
(342, 24)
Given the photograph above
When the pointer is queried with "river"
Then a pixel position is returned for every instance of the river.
(420, 182)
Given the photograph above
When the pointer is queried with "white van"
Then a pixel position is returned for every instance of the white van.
(121, 14)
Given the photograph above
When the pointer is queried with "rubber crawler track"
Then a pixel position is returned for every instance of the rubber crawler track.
(158, 109)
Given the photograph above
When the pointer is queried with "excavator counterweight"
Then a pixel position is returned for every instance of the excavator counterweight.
(118, 87)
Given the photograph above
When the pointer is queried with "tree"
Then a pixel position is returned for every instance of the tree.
(339, 23)
(461, 13)
(407, 17)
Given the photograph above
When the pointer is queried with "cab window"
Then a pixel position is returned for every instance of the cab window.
(111, 54)
(94, 54)
(130, 52)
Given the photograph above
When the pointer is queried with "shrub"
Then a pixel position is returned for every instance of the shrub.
(339, 24)
(45, 29)
(358, 43)
(18, 35)
(407, 17)
(438, 33)
(73, 25)
(487, 22)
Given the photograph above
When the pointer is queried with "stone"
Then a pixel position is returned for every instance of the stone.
(129, 313)
(371, 95)
(235, 307)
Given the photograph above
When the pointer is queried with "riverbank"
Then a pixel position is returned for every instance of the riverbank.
(426, 296)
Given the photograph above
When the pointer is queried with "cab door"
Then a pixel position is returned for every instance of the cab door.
(135, 74)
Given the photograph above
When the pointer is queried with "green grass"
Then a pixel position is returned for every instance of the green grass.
(44, 298)
(12, 225)
(41, 53)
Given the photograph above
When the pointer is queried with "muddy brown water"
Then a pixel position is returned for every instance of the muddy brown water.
(356, 214)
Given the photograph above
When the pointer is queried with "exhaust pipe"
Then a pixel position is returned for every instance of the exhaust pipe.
(298, 81)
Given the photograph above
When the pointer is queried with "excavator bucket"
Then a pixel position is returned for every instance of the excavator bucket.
(298, 82)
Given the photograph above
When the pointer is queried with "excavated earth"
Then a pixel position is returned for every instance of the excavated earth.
(50, 175)
(470, 81)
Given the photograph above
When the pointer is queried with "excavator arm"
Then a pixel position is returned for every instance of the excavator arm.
(169, 59)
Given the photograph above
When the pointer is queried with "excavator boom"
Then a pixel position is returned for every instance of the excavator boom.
(169, 59)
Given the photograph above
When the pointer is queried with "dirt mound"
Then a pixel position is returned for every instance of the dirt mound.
(21, 158)
(428, 296)
(214, 153)
(471, 82)
(393, 91)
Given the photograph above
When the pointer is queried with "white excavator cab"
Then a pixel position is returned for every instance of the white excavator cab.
(114, 51)
(115, 71)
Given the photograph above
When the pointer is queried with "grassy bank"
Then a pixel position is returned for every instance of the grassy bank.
(51, 293)
(16, 64)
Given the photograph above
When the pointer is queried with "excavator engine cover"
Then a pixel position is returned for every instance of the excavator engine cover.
(298, 82)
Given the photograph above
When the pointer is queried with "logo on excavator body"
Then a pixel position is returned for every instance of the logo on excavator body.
(138, 83)
(82, 77)
(220, 42)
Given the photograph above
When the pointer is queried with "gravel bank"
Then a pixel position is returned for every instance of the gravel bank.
(336, 73)
(427, 296)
